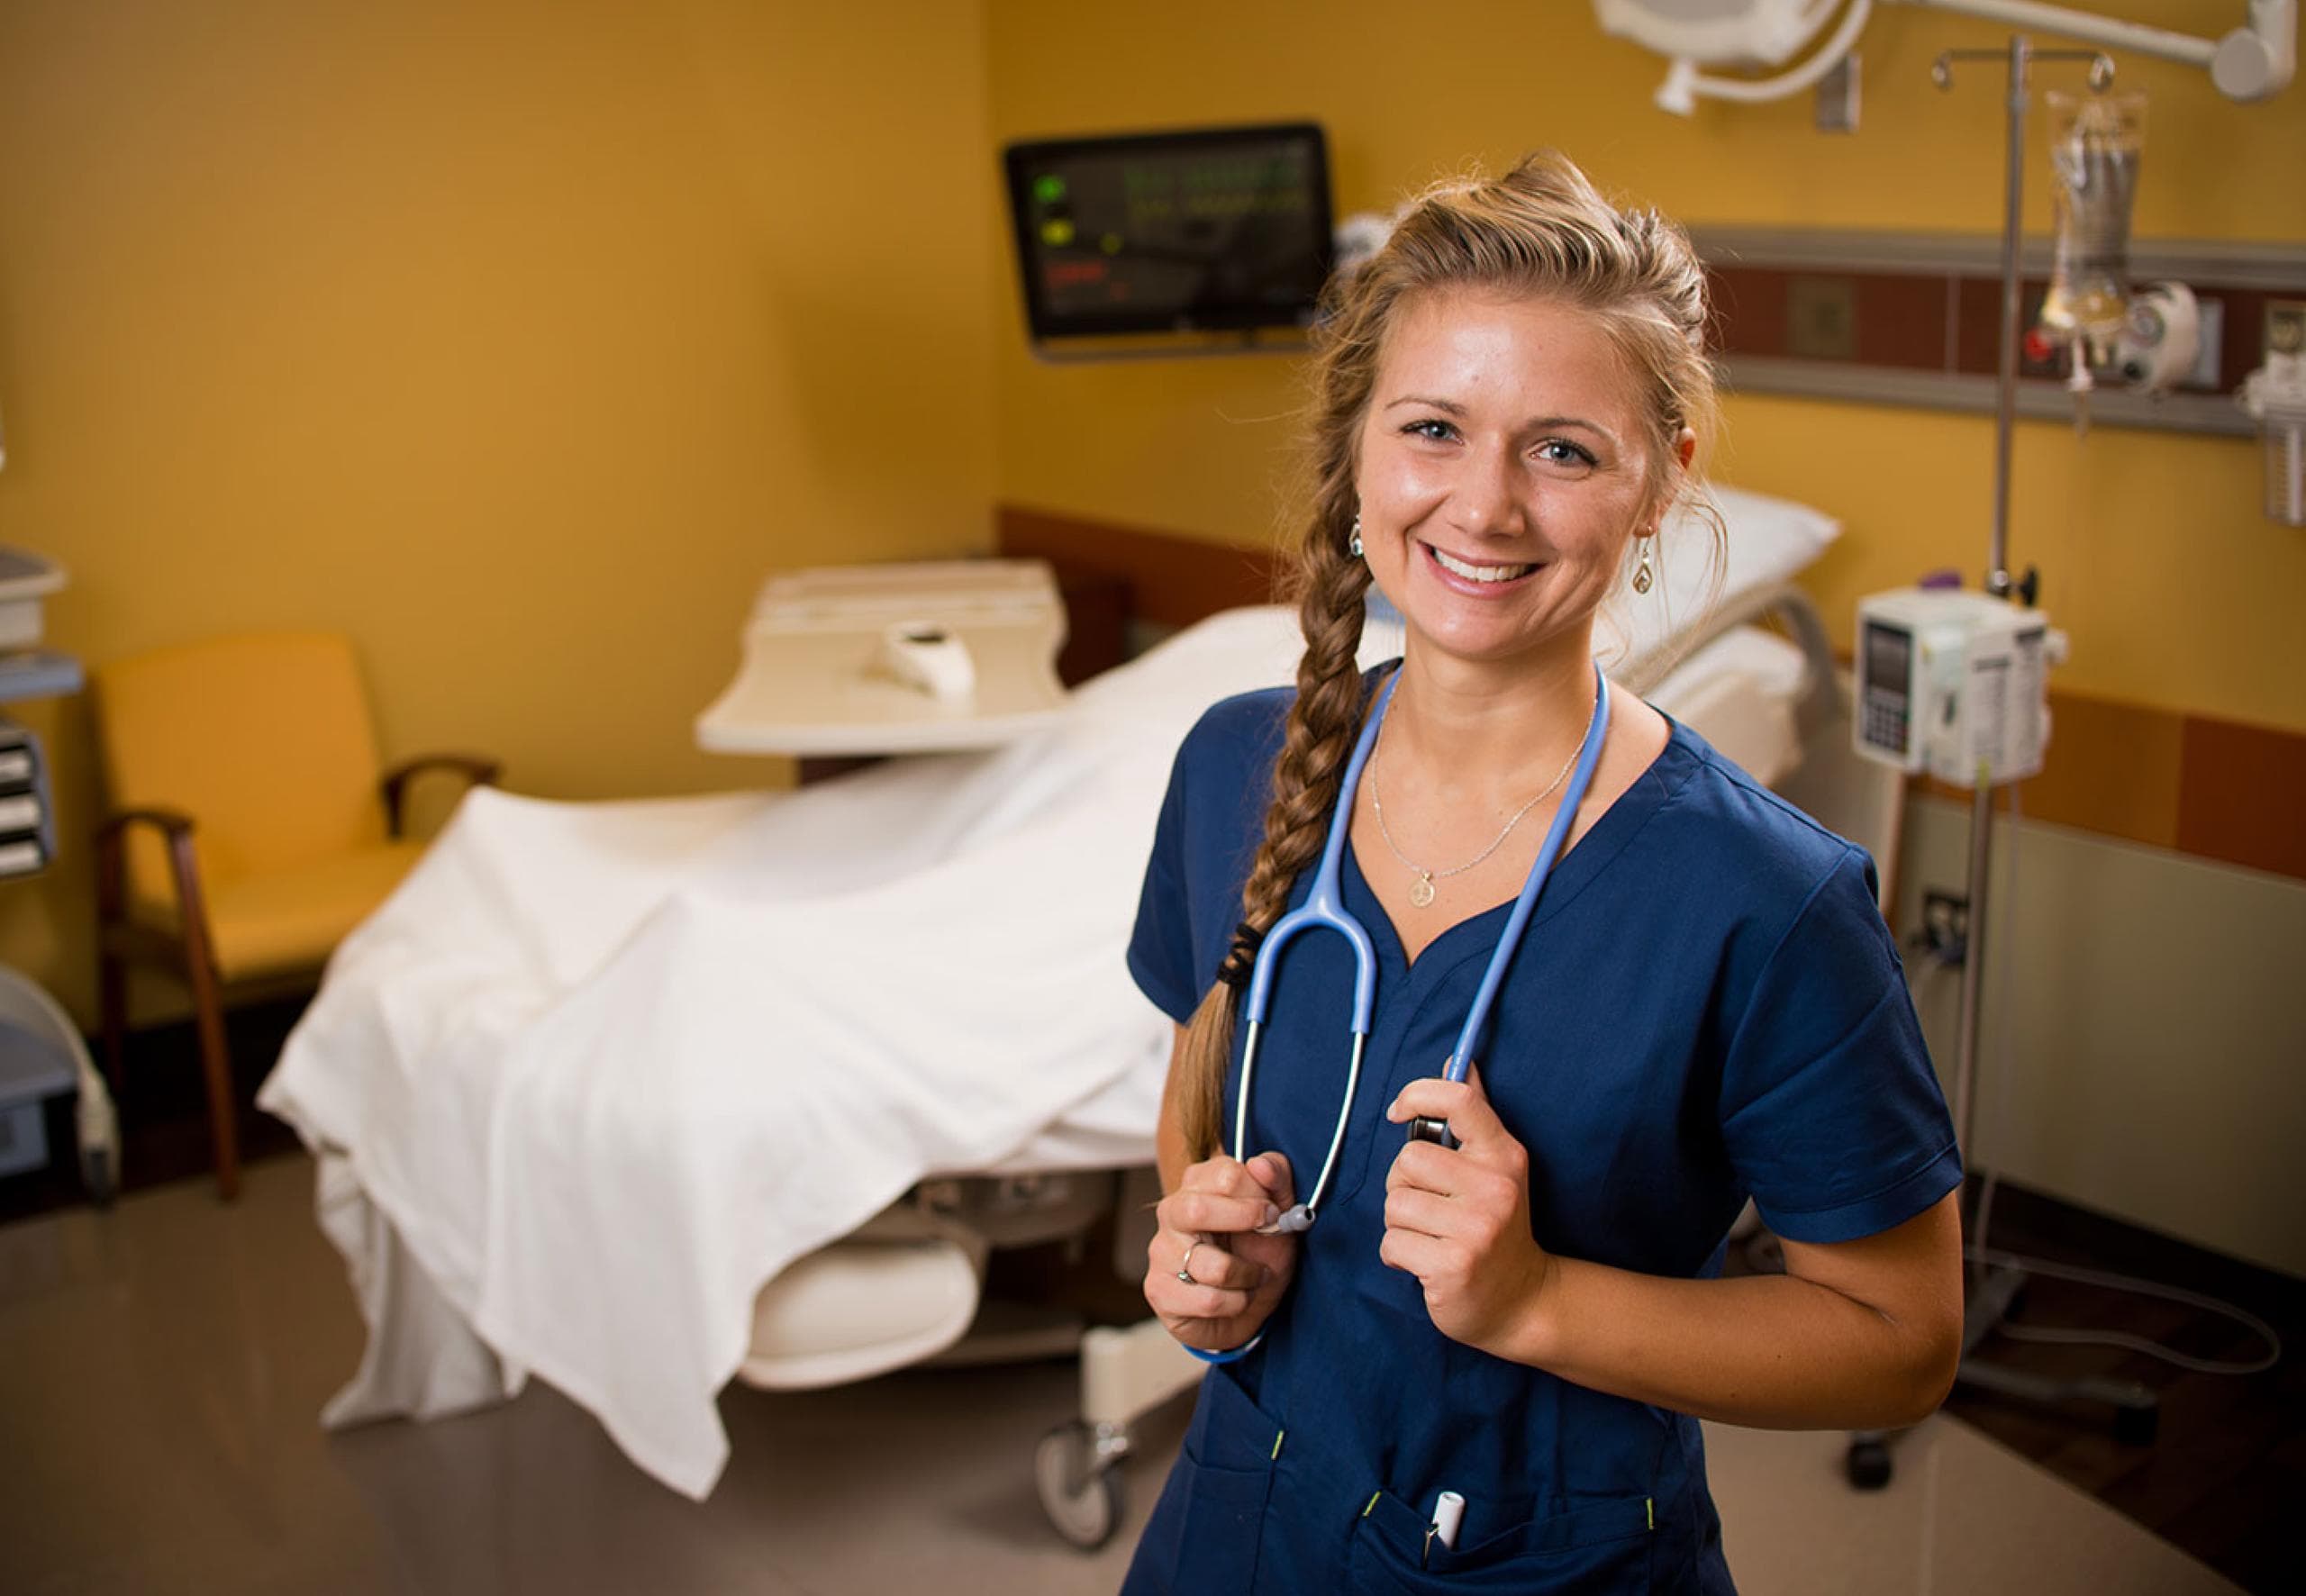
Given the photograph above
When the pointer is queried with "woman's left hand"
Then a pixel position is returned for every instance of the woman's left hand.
(1458, 1219)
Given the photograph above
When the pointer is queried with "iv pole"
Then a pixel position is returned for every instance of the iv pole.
(2020, 57)
(1993, 1290)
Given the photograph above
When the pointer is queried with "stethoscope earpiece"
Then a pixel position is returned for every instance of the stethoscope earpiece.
(1292, 1223)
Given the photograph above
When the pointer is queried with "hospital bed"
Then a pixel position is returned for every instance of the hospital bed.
(642, 1097)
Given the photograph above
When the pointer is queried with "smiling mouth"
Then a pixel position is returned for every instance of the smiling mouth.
(1474, 573)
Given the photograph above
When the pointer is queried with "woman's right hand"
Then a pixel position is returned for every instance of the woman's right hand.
(1238, 1275)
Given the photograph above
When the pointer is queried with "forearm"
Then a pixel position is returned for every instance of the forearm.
(1769, 1351)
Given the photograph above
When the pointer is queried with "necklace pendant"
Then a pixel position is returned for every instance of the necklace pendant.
(1421, 891)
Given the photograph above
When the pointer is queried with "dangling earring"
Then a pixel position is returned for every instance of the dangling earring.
(1355, 544)
(1642, 574)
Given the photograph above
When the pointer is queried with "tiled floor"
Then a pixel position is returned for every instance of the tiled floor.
(161, 1366)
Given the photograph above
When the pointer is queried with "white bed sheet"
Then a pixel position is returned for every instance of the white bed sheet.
(602, 1071)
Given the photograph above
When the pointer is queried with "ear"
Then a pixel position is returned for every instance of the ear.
(1684, 450)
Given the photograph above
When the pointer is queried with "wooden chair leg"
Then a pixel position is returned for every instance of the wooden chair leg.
(112, 984)
(216, 1062)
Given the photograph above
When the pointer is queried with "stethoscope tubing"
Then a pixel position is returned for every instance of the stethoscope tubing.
(1324, 908)
(1324, 905)
(1589, 756)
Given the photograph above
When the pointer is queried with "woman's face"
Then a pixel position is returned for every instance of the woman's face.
(1501, 471)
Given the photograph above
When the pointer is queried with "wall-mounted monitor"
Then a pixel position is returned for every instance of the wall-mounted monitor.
(1209, 229)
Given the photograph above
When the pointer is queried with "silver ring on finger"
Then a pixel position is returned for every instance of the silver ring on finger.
(1185, 1267)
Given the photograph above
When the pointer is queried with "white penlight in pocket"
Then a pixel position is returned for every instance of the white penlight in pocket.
(1952, 685)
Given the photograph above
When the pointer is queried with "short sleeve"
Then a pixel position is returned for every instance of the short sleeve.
(1160, 948)
(1830, 1109)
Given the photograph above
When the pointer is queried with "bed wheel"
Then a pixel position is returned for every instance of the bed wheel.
(1868, 1463)
(1079, 1487)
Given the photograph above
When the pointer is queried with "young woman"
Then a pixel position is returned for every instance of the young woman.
(1704, 1005)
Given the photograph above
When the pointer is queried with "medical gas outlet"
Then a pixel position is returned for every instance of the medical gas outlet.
(1953, 684)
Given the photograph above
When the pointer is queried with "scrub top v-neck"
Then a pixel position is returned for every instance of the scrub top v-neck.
(1705, 1006)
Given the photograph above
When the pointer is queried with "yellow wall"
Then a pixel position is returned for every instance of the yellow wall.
(2176, 591)
(518, 339)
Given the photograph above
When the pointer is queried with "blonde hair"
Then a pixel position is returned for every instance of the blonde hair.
(1542, 230)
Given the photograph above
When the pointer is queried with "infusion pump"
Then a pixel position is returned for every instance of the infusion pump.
(1952, 685)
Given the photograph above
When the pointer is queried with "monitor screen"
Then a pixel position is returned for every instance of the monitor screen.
(1219, 228)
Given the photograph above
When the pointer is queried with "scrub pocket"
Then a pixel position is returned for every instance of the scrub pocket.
(1205, 1532)
(1604, 1548)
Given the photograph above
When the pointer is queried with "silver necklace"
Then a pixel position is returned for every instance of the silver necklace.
(1421, 892)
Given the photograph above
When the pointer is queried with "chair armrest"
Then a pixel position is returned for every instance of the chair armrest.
(171, 822)
(184, 867)
(477, 772)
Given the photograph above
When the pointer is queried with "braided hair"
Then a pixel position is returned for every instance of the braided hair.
(1541, 229)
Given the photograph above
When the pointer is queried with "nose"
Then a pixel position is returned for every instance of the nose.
(1483, 500)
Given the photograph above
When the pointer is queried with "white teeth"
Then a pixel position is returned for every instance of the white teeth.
(1480, 573)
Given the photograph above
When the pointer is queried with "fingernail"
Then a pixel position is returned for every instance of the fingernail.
(1272, 1214)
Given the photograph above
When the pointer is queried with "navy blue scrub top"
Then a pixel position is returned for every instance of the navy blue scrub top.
(1706, 1006)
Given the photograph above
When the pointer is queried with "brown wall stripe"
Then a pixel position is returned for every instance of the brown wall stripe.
(2214, 789)
(2242, 795)
(1926, 320)
(1173, 581)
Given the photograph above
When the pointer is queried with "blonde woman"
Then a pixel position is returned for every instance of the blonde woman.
(1480, 1363)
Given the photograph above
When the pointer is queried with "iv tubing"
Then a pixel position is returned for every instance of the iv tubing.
(2021, 50)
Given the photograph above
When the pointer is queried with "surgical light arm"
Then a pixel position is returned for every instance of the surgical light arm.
(2252, 62)
(1684, 83)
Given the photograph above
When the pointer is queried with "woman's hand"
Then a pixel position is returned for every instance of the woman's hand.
(1458, 1219)
(1238, 1275)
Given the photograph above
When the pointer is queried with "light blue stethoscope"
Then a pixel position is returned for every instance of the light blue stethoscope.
(1324, 908)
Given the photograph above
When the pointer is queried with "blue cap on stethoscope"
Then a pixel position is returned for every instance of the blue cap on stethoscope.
(1324, 908)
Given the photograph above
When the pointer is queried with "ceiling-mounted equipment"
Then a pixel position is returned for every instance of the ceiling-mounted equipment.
(1694, 33)
(2252, 62)
(1719, 32)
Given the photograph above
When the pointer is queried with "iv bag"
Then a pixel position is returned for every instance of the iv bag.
(2094, 140)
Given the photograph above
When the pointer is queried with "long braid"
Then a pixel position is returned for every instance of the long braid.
(1323, 722)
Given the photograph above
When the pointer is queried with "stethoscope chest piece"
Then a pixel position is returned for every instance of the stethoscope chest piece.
(1425, 1127)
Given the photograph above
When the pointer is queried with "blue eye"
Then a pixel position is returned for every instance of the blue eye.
(1439, 431)
(1560, 451)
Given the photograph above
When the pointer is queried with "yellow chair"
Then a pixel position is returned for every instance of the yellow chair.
(250, 828)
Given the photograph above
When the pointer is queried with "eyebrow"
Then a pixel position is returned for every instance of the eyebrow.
(1448, 407)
